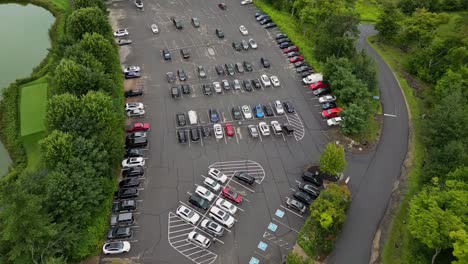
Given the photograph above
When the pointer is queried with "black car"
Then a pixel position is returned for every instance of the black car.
(312, 178)
(133, 172)
(257, 14)
(134, 92)
(127, 193)
(244, 177)
(265, 62)
(248, 66)
(177, 23)
(281, 40)
(303, 197)
(219, 70)
(219, 33)
(321, 91)
(175, 92)
(195, 22)
(185, 88)
(229, 68)
(288, 129)
(265, 21)
(270, 25)
(289, 107)
(181, 120)
(140, 142)
(236, 113)
(124, 206)
(166, 54)
(222, 6)
(182, 136)
(206, 132)
(132, 75)
(267, 110)
(182, 75)
(306, 73)
(256, 84)
(130, 182)
(207, 89)
(134, 153)
(237, 45)
(292, 54)
(199, 202)
(300, 64)
(303, 69)
(194, 134)
(328, 105)
(247, 85)
(239, 67)
(170, 76)
(281, 35)
(118, 232)
(214, 116)
(260, 17)
(185, 53)
(285, 45)
(310, 189)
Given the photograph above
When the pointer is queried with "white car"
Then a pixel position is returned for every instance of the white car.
(236, 84)
(275, 81)
(313, 78)
(133, 162)
(204, 193)
(327, 98)
(226, 206)
(121, 32)
(218, 175)
(334, 121)
(199, 239)
(136, 112)
(265, 80)
(243, 30)
(279, 107)
(116, 247)
(218, 131)
(264, 129)
(221, 217)
(217, 87)
(138, 4)
(212, 227)
(154, 28)
(253, 131)
(253, 43)
(245, 2)
(212, 184)
(247, 112)
(187, 214)
(275, 125)
(134, 106)
(132, 68)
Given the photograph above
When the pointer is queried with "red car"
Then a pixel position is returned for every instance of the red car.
(138, 127)
(318, 85)
(291, 48)
(333, 112)
(296, 59)
(231, 195)
(229, 130)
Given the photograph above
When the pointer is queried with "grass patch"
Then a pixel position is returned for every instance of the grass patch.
(399, 234)
(33, 105)
(33, 151)
(369, 10)
(289, 25)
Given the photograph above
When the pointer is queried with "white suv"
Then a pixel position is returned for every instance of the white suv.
(221, 217)
(217, 175)
(204, 193)
(199, 239)
(279, 107)
(264, 129)
(265, 80)
(226, 206)
(217, 87)
(187, 214)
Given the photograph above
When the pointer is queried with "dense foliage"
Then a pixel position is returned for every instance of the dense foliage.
(333, 160)
(435, 47)
(60, 213)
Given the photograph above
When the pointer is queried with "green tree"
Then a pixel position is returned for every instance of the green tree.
(57, 148)
(87, 20)
(355, 119)
(78, 4)
(365, 70)
(333, 159)
(388, 22)
(460, 246)
(101, 49)
(348, 87)
(452, 81)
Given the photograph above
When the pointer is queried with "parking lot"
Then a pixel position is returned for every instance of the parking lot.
(264, 228)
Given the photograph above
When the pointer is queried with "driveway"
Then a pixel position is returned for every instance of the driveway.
(373, 175)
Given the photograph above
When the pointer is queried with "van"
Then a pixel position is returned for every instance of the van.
(122, 219)
(193, 118)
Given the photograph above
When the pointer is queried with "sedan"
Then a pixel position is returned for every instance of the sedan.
(199, 201)
(333, 112)
(303, 197)
(245, 44)
(218, 131)
(236, 84)
(265, 62)
(185, 88)
(243, 30)
(133, 162)
(282, 40)
(130, 182)
(289, 107)
(268, 110)
(248, 66)
(214, 116)
(187, 214)
(285, 45)
(219, 33)
(275, 81)
(247, 85)
(335, 121)
(296, 59)
(291, 48)
(236, 113)
(185, 53)
(247, 112)
(329, 105)
(118, 232)
(217, 175)
(296, 205)
(207, 89)
(229, 130)
(280, 35)
(121, 33)
(292, 54)
(138, 127)
(170, 76)
(239, 67)
(253, 131)
(312, 178)
(132, 68)
(310, 189)
(199, 239)
(134, 135)
(136, 112)
(212, 184)
(212, 227)
(133, 106)
(195, 22)
(270, 25)
(226, 84)
(231, 195)
(264, 128)
(237, 46)
(319, 84)
(116, 247)
(166, 54)
(259, 111)
(182, 75)
(229, 68)
(256, 84)
(265, 80)
(321, 91)
(217, 87)
(253, 43)
(132, 75)
(134, 92)
(219, 69)
(201, 72)
(226, 206)
(244, 177)
(303, 69)
(327, 98)
(279, 107)
(154, 28)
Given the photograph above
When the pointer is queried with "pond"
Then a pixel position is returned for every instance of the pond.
(24, 31)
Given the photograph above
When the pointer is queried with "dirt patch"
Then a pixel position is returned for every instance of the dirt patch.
(299, 251)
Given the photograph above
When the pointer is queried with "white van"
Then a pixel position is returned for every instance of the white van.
(193, 118)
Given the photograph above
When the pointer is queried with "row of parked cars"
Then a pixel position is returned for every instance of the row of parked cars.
(308, 191)
(219, 200)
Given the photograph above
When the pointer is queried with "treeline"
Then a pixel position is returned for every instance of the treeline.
(332, 28)
(438, 215)
(59, 213)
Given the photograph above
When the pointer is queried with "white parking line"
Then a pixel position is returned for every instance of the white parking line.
(291, 211)
(281, 223)
(252, 191)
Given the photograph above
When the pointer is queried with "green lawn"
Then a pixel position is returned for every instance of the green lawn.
(33, 151)
(368, 10)
(33, 107)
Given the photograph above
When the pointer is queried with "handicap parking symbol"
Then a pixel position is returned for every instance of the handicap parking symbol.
(279, 213)
(254, 261)
(272, 227)
(262, 246)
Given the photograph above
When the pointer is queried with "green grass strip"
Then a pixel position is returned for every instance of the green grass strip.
(33, 108)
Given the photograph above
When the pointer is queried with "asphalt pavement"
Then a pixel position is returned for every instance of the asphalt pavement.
(373, 175)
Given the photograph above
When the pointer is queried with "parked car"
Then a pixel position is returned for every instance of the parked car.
(130, 182)
(185, 88)
(201, 71)
(226, 84)
(231, 195)
(132, 68)
(177, 23)
(122, 219)
(282, 40)
(219, 33)
(253, 43)
(296, 59)
(265, 62)
(236, 113)
(319, 84)
(276, 127)
(194, 134)
(279, 107)
(285, 45)
(138, 127)
(335, 121)
(237, 46)
(195, 22)
(329, 105)
(247, 112)
(229, 130)
(290, 48)
(293, 54)
(138, 4)
(212, 184)
(310, 189)
(122, 42)
(132, 75)
(270, 25)
(199, 239)
(264, 128)
(229, 68)
(207, 89)
(217, 175)
(287, 129)
(134, 92)
(182, 75)
(303, 197)
(219, 70)
(259, 111)
(253, 131)
(221, 217)
(124, 206)
(133, 106)
(296, 205)
(217, 87)
(154, 28)
(222, 6)
(327, 98)
(245, 44)
(321, 91)
(289, 107)
(247, 85)
(116, 247)
(214, 116)
(199, 201)
(119, 232)
(127, 193)
(265, 80)
(275, 81)
(133, 172)
(268, 110)
(133, 162)
(333, 112)
(121, 33)
(280, 35)
(244, 177)
(170, 77)
(312, 178)
(313, 78)
(135, 135)
(185, 53)
(182, 136)
(226, 206)
(248, 66)
(212, 227)
(166, 54)
(175, 92)
(181, 120)
(135, 113)
(243, 30)
(187, 214)
(134, 153)
(218, 131)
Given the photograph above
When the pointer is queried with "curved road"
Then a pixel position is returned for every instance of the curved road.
(372, 175)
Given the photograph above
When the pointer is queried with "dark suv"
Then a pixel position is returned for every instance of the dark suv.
(199, 202)
(245, 177)
(177, 23)
(133, 172)
(219, 33)
(127, 193)
(124, 206)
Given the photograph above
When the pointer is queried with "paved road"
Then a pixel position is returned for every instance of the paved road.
(373, 175)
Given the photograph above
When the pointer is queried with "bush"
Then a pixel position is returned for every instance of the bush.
(333, 159)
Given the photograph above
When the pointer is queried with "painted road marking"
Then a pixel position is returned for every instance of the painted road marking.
(254, 260)
(262, 246)
(289, 210)
(279, 213)
(272, 227)
(391, 115)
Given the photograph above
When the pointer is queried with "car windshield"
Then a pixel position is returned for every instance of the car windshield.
(233, 194)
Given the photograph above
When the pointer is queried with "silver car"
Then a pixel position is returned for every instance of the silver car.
(212, 227)
(253, 131)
